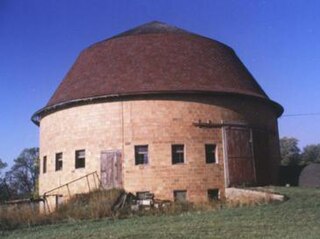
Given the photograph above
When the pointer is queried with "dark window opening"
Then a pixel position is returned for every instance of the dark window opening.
(143, 195)
(141, 154)
(180, 195)
(213, 194)
(177, 153)
(210, 153)
(44, 164)
(59, 162)
(80, 159)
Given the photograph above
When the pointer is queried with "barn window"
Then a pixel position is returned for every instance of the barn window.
(210, 153)
(143, 195)
(59, 161)
(44, 164)
(80, 158)
(59, 201)
(141, 154)
(180, 195)
(213, 194)
(177, 152)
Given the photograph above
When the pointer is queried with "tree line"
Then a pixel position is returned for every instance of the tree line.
(291, 154)
(21, 180)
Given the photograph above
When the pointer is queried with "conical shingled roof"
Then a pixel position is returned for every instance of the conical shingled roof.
(155, 58)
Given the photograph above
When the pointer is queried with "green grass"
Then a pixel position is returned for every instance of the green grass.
(299, 217)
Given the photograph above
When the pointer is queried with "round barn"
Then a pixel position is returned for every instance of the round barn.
(162, 110)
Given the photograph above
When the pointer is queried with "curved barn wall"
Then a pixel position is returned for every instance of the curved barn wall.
(158, 122)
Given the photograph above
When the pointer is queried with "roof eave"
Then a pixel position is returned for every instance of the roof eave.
(36, 117)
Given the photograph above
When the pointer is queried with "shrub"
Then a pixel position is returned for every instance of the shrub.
(93, 205)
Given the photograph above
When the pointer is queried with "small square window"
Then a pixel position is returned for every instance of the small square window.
(210, 153)
(59, 161)
(180, 195)
(177, 151)
(44, 164)
(143, 195)
(213, 194)
(141, 154)
(80, 159)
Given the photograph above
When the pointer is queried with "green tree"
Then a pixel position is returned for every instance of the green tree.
(290, 152)
(22, 177)
(311, 154)
(4, 194)
(2, 166)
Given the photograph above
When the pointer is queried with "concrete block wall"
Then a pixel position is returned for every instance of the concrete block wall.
(158, 122)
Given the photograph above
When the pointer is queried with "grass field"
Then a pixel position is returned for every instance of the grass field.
(299, 217)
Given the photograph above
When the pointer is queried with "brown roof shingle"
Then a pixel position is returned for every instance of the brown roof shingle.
(143, 60)
(155, 58)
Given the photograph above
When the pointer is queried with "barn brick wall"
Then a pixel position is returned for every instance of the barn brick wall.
(158, 122)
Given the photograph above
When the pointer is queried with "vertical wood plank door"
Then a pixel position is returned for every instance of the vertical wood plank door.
(261, 146)
(111, 169)
(240, 159)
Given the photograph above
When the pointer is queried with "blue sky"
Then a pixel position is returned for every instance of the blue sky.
(279, 42)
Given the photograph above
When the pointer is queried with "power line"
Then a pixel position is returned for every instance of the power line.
(301, 114)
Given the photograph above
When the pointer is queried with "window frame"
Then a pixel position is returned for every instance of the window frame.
(209, 194)
(175, 198)
(59, 161)
(142, 194)
(173, 159)
(80, 161)
(215, 156)
(44, 164)
(144, 161)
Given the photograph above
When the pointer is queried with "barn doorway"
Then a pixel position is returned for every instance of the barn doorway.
(111, 169)
(239, 158)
